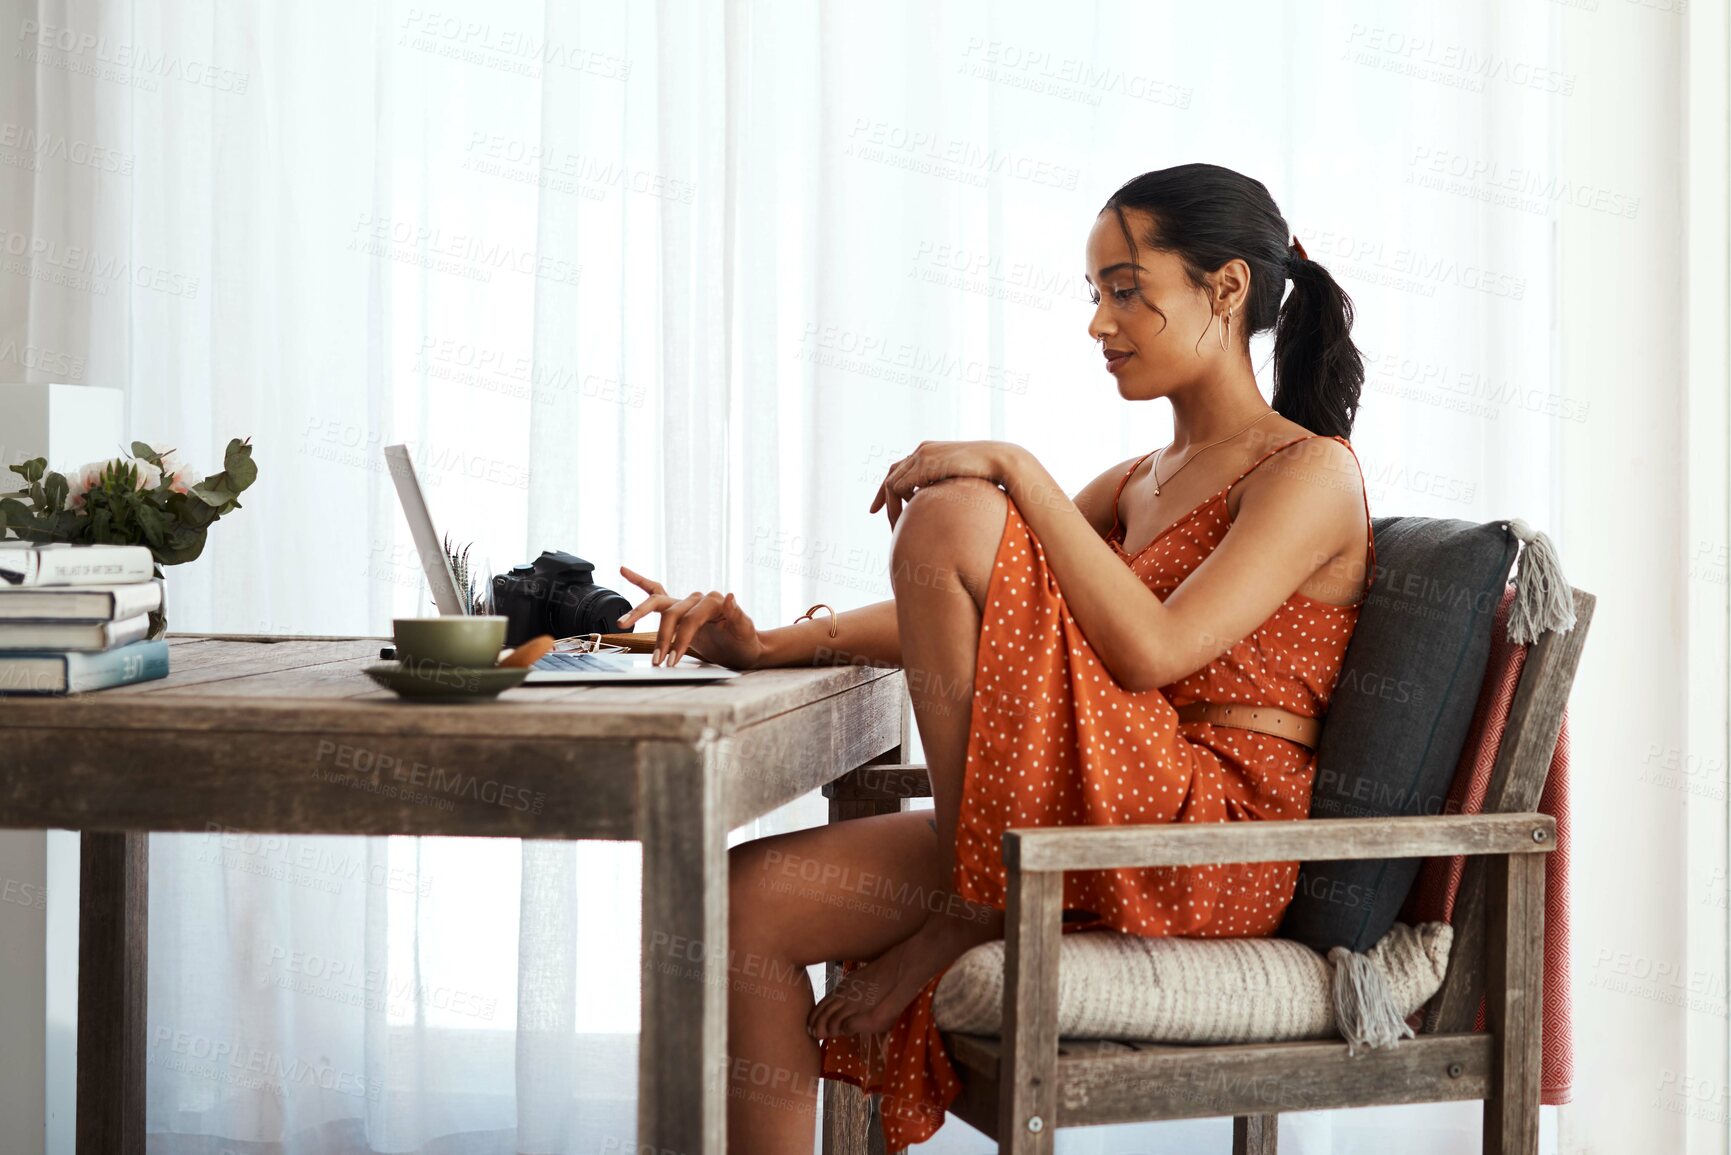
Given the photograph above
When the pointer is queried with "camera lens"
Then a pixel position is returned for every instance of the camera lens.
(586, 609)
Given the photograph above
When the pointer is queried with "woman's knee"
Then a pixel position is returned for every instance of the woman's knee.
(956, 503)
(951, 528)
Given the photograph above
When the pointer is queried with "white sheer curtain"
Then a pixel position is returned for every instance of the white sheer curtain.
(669, 285)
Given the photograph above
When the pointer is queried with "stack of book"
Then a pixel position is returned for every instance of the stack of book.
(74, 618)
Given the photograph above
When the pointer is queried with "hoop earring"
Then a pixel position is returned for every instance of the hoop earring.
(1225, 324)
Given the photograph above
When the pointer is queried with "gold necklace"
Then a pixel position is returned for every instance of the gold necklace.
(1154, 471)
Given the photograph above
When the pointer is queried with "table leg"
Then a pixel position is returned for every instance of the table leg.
(682, 1047)
(114, 875)
(848, 1128)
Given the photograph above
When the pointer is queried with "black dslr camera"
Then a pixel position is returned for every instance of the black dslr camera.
(555, 594)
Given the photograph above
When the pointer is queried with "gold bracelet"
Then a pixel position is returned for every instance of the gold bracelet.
(811, 613)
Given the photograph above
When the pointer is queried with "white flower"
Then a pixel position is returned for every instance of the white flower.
(172, 461)
(89, 477)
(149, 476)
(85, 478)
(181, 476)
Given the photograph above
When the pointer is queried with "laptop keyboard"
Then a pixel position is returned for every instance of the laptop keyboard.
(562, 660)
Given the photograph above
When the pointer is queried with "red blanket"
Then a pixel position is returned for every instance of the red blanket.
(1433, 893)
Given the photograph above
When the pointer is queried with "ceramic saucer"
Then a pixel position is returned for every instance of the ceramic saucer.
(446, 681)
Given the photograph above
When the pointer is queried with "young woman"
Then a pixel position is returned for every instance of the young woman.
(1054, 648)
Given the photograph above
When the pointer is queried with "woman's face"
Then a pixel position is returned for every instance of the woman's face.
(1151, 356)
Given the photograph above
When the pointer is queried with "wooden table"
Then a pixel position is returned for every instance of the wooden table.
(286, 735)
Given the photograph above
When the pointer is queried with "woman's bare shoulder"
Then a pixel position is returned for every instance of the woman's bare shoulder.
(1313, 478)
(1095, 498)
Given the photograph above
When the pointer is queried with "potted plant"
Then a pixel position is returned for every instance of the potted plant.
(150, 497)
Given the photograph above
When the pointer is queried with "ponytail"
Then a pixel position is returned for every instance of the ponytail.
(1318, 371)
(1209, 215)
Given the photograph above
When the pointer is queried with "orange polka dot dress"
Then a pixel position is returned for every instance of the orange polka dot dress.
(1054, 740)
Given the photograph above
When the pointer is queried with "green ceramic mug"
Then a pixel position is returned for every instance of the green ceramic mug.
(461, 641)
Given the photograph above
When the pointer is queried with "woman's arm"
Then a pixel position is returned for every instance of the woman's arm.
(871, 635)
(867, 636)
(1289, 524)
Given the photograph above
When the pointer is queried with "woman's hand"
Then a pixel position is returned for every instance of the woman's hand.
(934, 461)
(711, 626)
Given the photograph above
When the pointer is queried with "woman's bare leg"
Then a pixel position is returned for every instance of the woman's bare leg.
(945, 544)
(849, 890)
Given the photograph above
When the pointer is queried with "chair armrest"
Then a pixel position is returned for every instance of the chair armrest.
(1060, 848)
(1036, 858)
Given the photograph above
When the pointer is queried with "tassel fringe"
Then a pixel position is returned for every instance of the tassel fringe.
(1364, 1008)
(1543, 600)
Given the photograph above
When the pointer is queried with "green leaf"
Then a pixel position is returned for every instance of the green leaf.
(238, 464)
(153, 523)
(108, 481)
(212, 494)
(195, 516)
(14, 514)
(31, 470)
(55, 490)
(181, 548)
(142, 449)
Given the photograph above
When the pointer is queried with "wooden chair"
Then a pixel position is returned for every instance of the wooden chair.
(1021, 1087)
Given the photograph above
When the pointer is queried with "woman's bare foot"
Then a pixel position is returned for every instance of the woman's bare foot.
(869, 999)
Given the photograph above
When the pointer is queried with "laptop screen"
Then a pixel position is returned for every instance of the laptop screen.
(434, 563)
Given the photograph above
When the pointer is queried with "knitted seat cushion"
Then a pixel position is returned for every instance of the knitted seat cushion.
(1193, 990)
(1398, 718)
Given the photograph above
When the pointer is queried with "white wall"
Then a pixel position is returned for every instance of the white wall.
(1641, 335)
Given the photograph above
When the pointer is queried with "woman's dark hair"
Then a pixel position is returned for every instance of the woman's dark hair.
(1208, 215)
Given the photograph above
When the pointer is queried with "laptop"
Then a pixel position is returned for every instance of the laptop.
(558, 668)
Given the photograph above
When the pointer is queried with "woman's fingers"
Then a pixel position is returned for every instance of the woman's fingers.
(657, 599)
(650, 604)
(886, 496)
(734, 615)
(669, 622)
(891, 502)
(732, 620)
(648, 584)
(683, 618)
(694, 619)
(878, 498)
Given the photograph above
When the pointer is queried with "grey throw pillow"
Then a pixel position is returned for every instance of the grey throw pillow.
(1399, 715)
